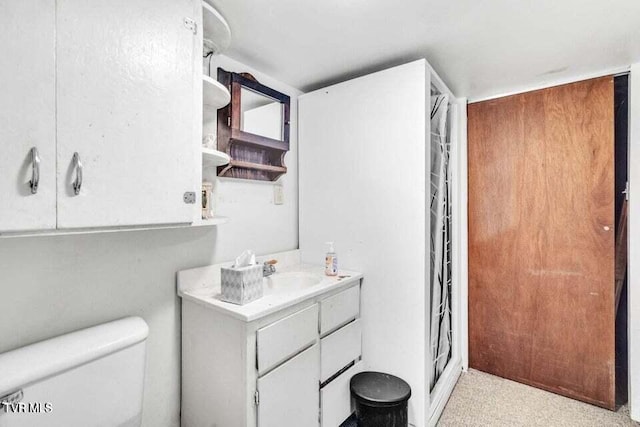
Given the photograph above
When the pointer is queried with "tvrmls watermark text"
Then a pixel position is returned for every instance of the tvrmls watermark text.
(27, 407)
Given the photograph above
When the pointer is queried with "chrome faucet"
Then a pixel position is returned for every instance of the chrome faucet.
(269, 267)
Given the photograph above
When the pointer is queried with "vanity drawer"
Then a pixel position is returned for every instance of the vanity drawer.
(339, 309)
(335, 397)
(284, 338)
(339, 349)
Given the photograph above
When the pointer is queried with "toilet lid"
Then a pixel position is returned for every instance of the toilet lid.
(379, 389)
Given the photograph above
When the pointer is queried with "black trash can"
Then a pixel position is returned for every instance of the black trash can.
(381, 399)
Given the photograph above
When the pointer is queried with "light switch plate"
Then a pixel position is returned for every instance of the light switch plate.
(278, 195)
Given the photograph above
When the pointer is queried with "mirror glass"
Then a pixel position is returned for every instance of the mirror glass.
(260, 114)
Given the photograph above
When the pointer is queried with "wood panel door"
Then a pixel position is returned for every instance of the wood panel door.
(541, 239)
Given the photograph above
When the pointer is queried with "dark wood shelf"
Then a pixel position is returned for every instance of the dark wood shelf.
(253, 156)
(238, 136)
(270, 171)
(258, 166)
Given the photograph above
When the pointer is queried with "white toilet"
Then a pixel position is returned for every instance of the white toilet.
(89, 378)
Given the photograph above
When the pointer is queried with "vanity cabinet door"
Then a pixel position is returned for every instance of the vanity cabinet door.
(289, 396)
(126, 105)
(27, 114)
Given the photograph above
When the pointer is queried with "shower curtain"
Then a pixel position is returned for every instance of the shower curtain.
(440, 281)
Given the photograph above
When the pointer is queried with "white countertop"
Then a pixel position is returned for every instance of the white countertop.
(202, 286)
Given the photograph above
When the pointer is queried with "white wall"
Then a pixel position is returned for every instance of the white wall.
(633, 287)
(362, 185)
(53, 285)
(551, 81)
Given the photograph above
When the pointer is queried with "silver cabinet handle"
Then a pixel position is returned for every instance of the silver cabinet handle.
(77, 184)
(35, 170)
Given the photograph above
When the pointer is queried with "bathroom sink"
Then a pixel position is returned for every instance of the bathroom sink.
(279, 282)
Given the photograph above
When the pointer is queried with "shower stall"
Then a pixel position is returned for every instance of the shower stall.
(440, 237)
(447, 237)
(383, 174)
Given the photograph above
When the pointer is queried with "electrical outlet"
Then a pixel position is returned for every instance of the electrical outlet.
(278, 195)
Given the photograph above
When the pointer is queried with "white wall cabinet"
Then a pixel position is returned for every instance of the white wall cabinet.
(267, 372)
(114, 83)
(125, 104)
(27, 114)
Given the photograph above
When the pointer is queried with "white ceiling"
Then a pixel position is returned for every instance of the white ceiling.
(480, 48)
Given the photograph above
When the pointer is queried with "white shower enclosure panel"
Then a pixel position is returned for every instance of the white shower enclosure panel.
(365, 180)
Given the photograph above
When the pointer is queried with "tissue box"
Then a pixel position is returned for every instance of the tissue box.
(241, 285)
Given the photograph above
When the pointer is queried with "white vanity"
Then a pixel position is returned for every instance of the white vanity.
(283, 360)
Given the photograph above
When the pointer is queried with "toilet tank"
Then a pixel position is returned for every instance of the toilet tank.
(92, 377)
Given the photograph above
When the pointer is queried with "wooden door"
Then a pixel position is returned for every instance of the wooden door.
(541, 239)
(27, 114)
(126, 105)
(290, 394)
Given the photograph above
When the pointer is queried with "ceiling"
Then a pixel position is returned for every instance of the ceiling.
(479, 48)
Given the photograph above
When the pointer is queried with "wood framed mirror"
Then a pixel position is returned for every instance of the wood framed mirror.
(253, 129)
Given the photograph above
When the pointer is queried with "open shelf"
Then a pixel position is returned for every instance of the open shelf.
(216, 38)
(214, 158)
(257, 166)
(217, 220)
(214, 94)
(216, 31)
(244, 138)
(268, 172)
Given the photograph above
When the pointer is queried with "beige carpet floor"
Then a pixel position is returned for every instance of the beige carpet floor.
(480, 399)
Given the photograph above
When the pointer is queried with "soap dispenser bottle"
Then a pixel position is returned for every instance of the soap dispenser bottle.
(331, 261)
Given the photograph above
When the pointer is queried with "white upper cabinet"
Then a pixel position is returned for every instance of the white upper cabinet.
(27, 115)
(125, 105)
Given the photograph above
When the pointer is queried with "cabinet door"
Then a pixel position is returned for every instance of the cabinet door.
(290, 394)
(27, 114)
(125, 85)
